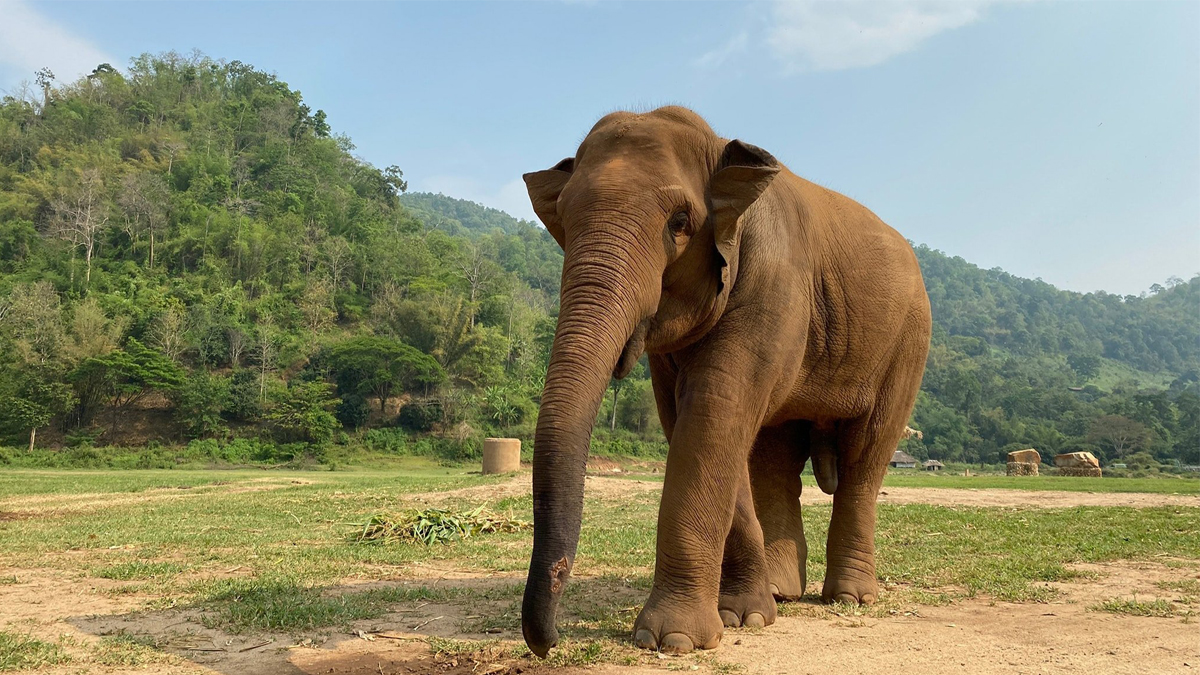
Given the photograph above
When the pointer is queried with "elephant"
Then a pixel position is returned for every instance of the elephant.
(782, 322)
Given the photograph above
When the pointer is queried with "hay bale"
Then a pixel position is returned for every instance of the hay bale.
(1081, 471)
(1076, 460)
(1022, 469)
(1029, 456)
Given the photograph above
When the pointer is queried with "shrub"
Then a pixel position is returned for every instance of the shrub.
(420, 415)
(302, 412)
(243, 402)
(391, 441)
(199, 402)
(353, 411)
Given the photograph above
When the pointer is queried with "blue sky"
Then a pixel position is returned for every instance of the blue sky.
(1058, 140)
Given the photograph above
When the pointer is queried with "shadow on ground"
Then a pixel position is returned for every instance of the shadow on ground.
(449, 627)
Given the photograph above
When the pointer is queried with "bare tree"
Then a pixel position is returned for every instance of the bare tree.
(94, 334)
(237, 345)
(172, 148)
(316, 304)
(31, 315)
(338, 258)
(168, 333)
(478, 272)
(80, 215)
(45, 80)
(1119, 434)
(143, 200)
(266, 351)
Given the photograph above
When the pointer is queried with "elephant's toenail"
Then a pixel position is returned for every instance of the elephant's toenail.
(675, 643)
(846, 598)
(775, 590)
(754, 620)
(645, 639)
(730, 619)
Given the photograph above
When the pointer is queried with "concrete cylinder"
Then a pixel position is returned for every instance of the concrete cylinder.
(501, 455)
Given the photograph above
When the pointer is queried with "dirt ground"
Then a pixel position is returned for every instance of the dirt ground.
(607, 487)
(971, 636)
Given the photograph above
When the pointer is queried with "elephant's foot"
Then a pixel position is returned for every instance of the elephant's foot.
(752, 610)
(677, 627)
(850, 584)
(786, 577)
(787, 559)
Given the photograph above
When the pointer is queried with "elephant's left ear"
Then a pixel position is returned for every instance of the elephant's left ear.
(544, 188)
(743, 174)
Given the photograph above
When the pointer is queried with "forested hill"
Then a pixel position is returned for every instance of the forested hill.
(1158, 332)
(189, 251)
(459, 216)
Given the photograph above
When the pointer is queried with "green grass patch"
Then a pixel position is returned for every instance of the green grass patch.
(284, 535)
(1134, 607)
(22, 652)
(1188, 586)
(136, 570)
(285, 604)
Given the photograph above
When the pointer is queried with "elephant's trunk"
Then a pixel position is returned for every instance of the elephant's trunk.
(604, 298)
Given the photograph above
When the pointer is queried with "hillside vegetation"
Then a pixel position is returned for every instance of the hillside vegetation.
(188, 245)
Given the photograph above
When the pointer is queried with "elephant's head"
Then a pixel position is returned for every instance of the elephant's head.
(648, 213)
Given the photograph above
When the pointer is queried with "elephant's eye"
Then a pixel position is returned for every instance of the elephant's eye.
(679, 223)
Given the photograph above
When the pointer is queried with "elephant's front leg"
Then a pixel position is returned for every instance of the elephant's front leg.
(746, 598)
(705, 467)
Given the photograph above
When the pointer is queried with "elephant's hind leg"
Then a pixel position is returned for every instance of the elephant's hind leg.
(864, 448)
(775, 465)
(745, 598)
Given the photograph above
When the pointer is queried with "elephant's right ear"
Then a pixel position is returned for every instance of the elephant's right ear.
(544, 188)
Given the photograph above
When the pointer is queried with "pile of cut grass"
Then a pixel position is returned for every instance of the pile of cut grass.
(435, 526)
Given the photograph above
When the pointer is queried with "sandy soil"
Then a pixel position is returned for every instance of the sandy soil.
(971, 636)
(606, 487)
(975, 636)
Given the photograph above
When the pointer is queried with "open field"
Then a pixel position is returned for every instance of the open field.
(253, 571)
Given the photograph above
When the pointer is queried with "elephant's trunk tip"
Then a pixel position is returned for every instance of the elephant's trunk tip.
(538, 624)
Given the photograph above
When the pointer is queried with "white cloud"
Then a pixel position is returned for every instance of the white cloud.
(720, 55)
(815, 35)
(29, 41)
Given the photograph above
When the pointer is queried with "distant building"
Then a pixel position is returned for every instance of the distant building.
(932, 465)
(903, 460)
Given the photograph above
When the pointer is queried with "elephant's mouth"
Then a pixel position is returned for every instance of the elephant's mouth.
(633, 349)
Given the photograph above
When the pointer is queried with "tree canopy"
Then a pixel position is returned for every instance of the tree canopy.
(191, 233)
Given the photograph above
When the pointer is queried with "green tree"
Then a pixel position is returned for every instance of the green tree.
(200, 401)
(123, 377)
(302, 412)
(379, 367)
(1087, 366)
(33, 398)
